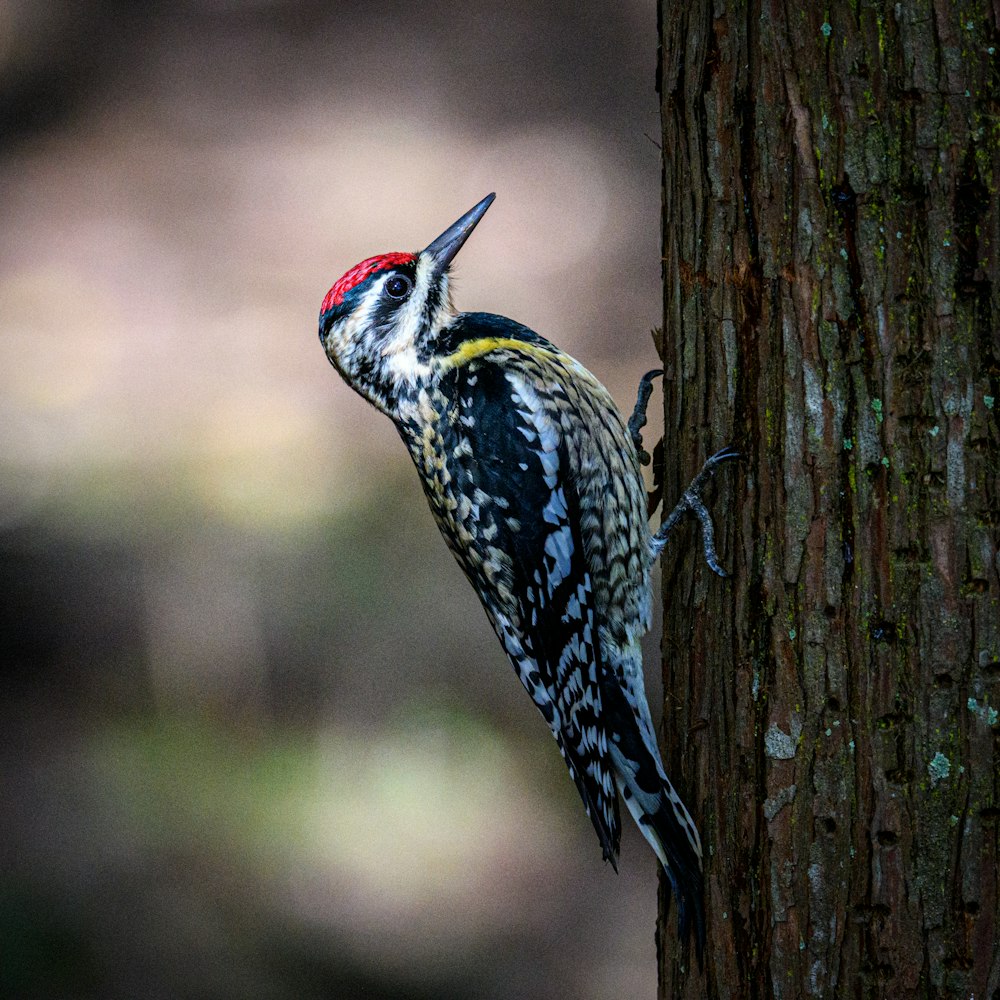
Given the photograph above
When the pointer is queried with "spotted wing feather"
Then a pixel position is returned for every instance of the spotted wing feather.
(544, 611)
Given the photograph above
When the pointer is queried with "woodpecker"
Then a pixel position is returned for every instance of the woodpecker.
(535, 482)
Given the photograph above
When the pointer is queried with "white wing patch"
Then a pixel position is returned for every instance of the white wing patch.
(540, 429)
(559, 549)
(555, 510)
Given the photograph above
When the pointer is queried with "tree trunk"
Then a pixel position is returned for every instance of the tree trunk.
(831, 245)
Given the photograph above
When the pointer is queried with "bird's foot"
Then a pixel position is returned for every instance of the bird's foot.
(638, 419)
(691, 500)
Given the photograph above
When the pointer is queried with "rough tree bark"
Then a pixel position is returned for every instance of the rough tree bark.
(831, 245)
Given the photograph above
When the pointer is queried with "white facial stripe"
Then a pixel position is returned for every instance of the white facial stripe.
(409, 316)
(400, 353)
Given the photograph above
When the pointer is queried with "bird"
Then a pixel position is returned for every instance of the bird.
(534, 480)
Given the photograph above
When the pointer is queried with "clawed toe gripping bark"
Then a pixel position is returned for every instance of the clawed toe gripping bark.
(638, 419)
(691, 499)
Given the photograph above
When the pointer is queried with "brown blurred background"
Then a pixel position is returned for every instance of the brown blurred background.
(256, 737)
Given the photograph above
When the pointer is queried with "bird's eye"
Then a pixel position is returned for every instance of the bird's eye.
(398, 286)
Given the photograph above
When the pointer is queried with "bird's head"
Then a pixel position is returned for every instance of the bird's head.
(379, 323)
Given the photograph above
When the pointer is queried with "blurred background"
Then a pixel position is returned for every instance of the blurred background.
(256, 736)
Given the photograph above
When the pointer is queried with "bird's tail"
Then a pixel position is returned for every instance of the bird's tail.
(667, 825)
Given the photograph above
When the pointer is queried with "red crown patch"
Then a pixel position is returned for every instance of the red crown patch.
(359, 273)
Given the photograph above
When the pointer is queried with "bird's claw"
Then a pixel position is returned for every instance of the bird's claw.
(691, 501)
(638, 419)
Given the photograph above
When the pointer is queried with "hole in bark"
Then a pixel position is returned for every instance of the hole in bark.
(899, 775)
(884, 631)
(914, 190)
(873, 914)
(833, 704)
(892, 719)
(845, 201)
(954, 961)
(972, 201)
(972, 907)
(887, 838)
(879, 970)
(912, 553)
(829, 824)
(944, 679)
(989, 813)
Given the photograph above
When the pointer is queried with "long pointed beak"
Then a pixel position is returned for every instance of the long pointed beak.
(444, 248)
